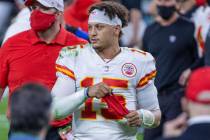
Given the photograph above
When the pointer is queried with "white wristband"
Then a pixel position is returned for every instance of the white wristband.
(148, 118)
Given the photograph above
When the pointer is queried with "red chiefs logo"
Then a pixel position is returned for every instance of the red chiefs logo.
(129, 70)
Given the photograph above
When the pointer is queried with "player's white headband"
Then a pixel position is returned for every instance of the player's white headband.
(100, 17)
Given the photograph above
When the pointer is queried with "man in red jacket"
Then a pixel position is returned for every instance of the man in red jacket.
(30, 55)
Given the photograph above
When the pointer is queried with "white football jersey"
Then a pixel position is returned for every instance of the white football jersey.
(131, 76)
(201, 18)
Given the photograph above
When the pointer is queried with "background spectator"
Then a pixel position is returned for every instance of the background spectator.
(175, 54)
(30, 112)
(196, 104)
(187, 8)
(76, 14)
(20, 23)
(6, 8)
(132, 34)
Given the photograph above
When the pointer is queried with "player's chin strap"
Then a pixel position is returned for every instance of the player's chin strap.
(147, 117)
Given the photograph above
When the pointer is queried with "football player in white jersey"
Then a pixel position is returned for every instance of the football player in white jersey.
(102, 68)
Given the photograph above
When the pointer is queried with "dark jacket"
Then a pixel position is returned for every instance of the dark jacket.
(199, 131)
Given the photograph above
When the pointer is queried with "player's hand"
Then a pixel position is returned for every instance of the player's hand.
(99, 90)
(133, 119)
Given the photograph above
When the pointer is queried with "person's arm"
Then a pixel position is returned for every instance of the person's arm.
(198, 62)
(135, 20)
(207, 49)
(145, 39)
(148, 114)
(66, 100)
(149, 106)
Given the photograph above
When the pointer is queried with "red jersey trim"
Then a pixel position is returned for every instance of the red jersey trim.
(65, 71)
(146, 79)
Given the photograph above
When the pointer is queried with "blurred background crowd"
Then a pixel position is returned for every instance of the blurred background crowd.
(177, 36)
(14, 12)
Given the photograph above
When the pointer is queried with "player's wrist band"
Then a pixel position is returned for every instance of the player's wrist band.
(86, 92)
(147, 117)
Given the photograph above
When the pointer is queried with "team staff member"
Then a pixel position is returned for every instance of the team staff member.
(30, 55)
(170, 40)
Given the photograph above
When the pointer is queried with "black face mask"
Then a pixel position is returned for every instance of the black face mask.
(166, 11)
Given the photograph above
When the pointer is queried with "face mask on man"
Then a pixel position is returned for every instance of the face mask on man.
(166, 12)
(41, 21)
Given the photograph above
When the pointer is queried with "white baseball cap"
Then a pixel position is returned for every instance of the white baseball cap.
(58, 4)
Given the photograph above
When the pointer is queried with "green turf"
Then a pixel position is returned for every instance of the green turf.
(4, 125)
(140, 137)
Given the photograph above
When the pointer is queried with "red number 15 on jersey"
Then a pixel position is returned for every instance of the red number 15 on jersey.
(89, 113)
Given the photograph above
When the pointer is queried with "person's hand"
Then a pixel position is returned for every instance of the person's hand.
(184, 77)
(175, 128)
(133, 119)
(99, 90)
